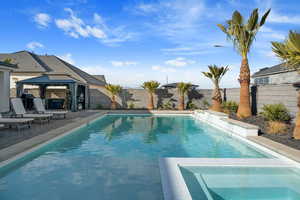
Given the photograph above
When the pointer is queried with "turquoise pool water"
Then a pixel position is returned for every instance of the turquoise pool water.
(242, 183)
(116, 157)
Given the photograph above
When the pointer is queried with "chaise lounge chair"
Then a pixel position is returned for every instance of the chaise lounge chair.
(18, 122)
(20, 111)
(39, 106)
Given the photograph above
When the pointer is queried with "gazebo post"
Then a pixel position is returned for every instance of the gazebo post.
(43, 91)
(74, 96)
(19, 88)
(86, 96)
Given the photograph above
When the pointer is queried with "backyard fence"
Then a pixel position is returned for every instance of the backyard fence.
(138, 98)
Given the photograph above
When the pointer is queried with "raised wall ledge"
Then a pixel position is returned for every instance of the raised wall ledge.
(242, 124)
(222, 121)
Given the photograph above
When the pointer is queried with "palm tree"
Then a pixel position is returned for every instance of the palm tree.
(183, 88)
(215, 74)
(242, 33)
(289, 51)
(114, 90)
(151, 86)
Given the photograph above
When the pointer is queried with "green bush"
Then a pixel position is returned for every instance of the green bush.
(99, 107)
(230, 106)
(275, 112)
(192, 106)
(206, 104)
(167, 106)
(131, 106)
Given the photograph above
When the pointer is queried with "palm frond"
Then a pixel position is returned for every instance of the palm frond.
(183, 87)
(215, 73)
(289, 50)
(113, 89)
(151, 86)
(242, 33)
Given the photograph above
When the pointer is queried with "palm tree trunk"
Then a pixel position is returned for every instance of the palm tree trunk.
(181, 102)
(151, 101)
(244, 109)
(113, 103)
(297, 123)
(216, 99)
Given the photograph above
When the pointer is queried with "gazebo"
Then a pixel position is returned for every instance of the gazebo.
(78, 91)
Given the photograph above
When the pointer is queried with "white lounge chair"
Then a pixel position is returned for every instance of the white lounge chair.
(20, 111)
(18, 122)
(39, 106)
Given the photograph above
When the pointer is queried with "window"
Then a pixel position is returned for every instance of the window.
(261, 81)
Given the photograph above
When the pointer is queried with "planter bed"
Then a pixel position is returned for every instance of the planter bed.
(283, 138)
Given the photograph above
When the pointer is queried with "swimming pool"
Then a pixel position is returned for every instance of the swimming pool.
(115, 157)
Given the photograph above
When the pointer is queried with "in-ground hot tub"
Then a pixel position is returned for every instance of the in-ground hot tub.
(229, 179)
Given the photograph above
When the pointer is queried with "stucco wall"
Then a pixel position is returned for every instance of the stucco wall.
(288, 77)
(4, 90)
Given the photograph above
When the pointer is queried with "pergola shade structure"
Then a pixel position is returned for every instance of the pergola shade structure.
(77, 88)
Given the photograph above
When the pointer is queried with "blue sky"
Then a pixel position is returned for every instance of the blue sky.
(131, 41)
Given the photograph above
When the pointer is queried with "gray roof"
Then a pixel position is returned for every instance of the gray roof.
(25, 61)
(50, 79)
(100, 77)
(8, 65)
(280, 68)
(46, 64)
(88, 77)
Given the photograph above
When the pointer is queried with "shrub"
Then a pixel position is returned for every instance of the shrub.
(230, 107)
(275, 112)
(206, 104)
(167, 106)
(99, 107)
(275, 127)
(192, 106)
(131, 106)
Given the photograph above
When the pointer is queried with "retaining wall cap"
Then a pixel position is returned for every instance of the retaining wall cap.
(217, 113)
(242, 124)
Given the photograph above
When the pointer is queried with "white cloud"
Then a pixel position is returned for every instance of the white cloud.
(76, 28)
(272, 34)
(278, 18)
(123, 63)
(42, 19)
(33, 45)
(176, 19)
(163, 69)
(68, 58)
(179, 62)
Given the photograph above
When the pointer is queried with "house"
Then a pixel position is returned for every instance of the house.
(47, 67)
(5, 71)
(278, 74)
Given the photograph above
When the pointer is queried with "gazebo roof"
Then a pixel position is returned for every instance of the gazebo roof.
(51, 79)
(174, 85)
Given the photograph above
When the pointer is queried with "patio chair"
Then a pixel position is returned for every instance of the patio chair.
(20, 111)
(39, 106)
(18, 122)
